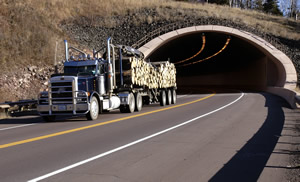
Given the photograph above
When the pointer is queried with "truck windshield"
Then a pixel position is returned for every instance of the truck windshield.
(80, 69)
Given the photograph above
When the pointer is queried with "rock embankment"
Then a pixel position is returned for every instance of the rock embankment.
(25, 83)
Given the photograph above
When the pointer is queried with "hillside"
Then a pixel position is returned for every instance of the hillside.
(31, 30)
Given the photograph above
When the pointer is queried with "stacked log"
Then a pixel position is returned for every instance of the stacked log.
(151, 75)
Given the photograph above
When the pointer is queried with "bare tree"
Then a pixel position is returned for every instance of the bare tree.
(293, 8)
(247, 4)
(230, 3)
(235, 3)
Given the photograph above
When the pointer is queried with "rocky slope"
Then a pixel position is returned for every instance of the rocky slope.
(25, 83)
(127, 33)
(92, 32)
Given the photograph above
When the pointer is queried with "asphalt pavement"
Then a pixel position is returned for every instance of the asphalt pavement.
(223, 136)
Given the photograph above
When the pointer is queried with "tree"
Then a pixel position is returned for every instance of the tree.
(248, 4)
(293, 8)
(259, 5)
(271, 6)
(222, 2)
(236, 3)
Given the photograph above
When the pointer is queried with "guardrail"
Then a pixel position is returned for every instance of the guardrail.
(20, 103)
(19, 106)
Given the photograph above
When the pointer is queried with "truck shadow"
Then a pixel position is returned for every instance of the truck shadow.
(19, 120)
(248, 163)
(33, 117)
(37, 119)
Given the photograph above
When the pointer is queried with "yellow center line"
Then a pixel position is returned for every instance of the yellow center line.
(99, 124)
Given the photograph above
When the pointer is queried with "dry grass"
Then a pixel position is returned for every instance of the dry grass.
(59, 10)
(30, 28)
(276, 25)
(64, 9)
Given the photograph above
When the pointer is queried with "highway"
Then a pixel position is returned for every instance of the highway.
(206, 136)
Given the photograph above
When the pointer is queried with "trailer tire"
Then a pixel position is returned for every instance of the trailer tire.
(174, 96)
(163, 98)
(49, 118)
(169, 97)
(138, 102)
(94, 109)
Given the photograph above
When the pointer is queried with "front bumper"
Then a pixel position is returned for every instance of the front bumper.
(63, 109)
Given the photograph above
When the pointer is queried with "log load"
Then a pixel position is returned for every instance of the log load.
(151, 75)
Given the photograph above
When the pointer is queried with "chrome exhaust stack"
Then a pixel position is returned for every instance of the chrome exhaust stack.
(110, 74)
(66, 50)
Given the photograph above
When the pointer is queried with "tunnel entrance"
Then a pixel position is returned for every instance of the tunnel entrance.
(239, 64)
(247, 61)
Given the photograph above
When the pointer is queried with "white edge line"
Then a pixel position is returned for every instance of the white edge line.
(130, 144)
(19, 126)
(181, 96)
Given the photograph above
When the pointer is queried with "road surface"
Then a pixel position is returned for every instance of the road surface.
(204, 137)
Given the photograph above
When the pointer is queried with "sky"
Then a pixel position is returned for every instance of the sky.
(283, 4)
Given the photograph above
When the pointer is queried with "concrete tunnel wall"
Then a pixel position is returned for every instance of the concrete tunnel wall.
(272, 71)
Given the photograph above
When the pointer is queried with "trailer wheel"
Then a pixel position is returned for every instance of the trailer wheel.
(174, 96)
(138, 102)
(94, 109)
(169, 97)
(163, 98)
(49, 118)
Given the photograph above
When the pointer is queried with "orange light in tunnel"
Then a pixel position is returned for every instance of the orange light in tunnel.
(202, 48)
(223, 48)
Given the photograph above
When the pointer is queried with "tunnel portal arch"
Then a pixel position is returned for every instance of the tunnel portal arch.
(282, 77)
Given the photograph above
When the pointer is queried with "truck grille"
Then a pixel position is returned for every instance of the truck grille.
(61, 92)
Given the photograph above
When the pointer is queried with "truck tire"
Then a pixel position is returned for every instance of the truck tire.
(138, 102)
(49, 118)
(129, 108)
(94, 109)
(169, 97)
(163, 98)
(100, 107)
(123, 108)
(146, 100)
(131, 105)
(174, 96)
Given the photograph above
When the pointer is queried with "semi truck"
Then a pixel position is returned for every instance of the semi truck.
(90, 85)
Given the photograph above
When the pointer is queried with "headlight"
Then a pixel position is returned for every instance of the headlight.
(82, 94)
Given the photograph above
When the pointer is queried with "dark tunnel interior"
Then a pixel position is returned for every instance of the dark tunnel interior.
(239, 65)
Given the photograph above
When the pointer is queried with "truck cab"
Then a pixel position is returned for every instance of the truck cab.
(75, 92)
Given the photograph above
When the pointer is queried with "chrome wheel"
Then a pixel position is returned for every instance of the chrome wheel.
(174, 97)
(163, 98)
(131, 106)
(138, 102)
(169, 97)
(94, 109)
